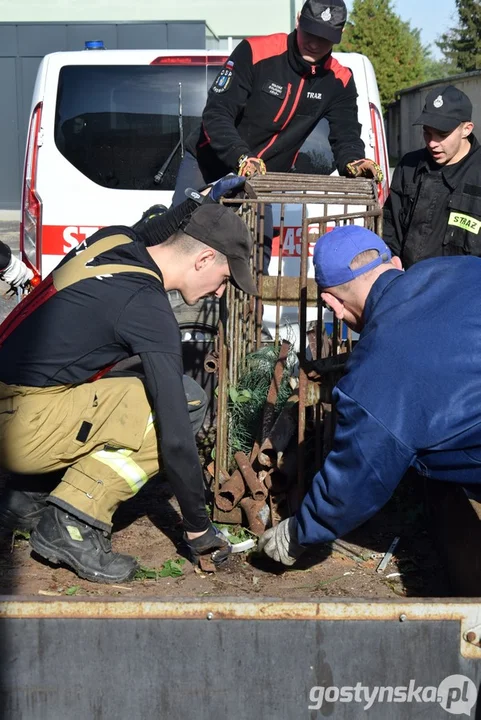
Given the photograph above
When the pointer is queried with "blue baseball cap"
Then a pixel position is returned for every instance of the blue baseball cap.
(335, 251)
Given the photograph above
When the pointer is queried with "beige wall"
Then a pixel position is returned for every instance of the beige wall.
(225, 17)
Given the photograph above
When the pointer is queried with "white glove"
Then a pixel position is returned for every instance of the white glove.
(280, 542)
(16, 273)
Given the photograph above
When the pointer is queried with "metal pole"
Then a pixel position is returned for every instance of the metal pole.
(293, 14)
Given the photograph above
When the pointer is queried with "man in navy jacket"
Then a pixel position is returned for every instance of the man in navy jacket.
(411, 394)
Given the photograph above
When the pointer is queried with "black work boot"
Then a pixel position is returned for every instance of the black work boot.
(21, 509)
(62, 538)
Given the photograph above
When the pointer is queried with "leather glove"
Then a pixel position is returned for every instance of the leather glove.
(212, 543)
(228, 186)
(365, 168)
(249, 166)
(16, 274)
(280, 542)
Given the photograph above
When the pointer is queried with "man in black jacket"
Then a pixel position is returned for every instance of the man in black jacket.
(434, 206)
(62, 407)
(269, 96)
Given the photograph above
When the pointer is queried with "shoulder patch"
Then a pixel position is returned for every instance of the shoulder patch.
(223, 79)
(267, 46)
(341, 72)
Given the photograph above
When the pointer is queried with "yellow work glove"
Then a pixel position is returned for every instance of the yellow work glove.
(249, 166)
(365, 168)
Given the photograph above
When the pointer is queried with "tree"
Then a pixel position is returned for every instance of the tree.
(393, 47)
(462, 45)
(437, 69)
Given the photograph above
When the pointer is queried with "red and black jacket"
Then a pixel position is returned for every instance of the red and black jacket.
(265, 102)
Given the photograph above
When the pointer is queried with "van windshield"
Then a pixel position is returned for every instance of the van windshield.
(118, 125)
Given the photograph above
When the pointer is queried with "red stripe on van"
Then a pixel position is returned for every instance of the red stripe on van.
(60, 239)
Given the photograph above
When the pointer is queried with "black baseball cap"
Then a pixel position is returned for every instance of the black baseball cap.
(324, 19)
(445, 108)
(219, 227)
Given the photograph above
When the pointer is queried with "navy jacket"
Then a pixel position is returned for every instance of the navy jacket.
(411, 396)
(266, 100)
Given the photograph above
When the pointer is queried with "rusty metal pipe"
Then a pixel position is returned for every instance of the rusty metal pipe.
(257, 488)
(257, 514)
(211, 362)
(231, 492)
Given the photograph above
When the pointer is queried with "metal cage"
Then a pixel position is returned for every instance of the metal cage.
(320, 203)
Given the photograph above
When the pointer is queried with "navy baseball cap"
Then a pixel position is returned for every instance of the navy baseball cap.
(445, 108)
(335, 251)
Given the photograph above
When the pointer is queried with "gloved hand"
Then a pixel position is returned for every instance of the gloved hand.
(280, 542)
(249, 166)
(227, 186)
(365, 168)
(212, 543)
(16, 274)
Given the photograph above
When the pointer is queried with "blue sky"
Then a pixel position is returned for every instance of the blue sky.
(432, 17)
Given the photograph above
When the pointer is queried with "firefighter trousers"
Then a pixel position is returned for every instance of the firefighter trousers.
(101, 433)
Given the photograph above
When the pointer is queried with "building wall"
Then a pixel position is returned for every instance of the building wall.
(403, 136)
(23, 45)
(238, 18)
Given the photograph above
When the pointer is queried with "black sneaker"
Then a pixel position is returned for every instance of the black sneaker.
(21, 509)
(63, 539)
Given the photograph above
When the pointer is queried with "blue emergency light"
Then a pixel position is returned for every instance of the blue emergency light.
(94, 45)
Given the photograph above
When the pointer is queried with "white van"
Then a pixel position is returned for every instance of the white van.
(104, 126)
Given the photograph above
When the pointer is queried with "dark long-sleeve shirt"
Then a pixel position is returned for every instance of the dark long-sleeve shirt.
(434, 210)
(267, 100)
(100, 321)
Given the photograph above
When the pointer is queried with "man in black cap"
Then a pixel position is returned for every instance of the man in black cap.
(267, 99)
(64, 406)
(434, 207)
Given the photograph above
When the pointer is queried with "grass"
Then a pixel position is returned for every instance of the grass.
(171, 568)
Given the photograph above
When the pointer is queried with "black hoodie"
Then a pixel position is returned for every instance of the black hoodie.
(265, 102)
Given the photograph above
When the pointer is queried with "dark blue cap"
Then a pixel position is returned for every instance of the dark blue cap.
(335, 251)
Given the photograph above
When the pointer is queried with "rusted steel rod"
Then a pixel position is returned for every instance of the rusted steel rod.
(273, 392)
(256, 487)
(319, 200)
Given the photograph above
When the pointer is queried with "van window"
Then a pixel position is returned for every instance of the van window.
(315, 156)
(118, 124)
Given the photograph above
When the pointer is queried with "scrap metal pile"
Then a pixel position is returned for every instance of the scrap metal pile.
(262, 482)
